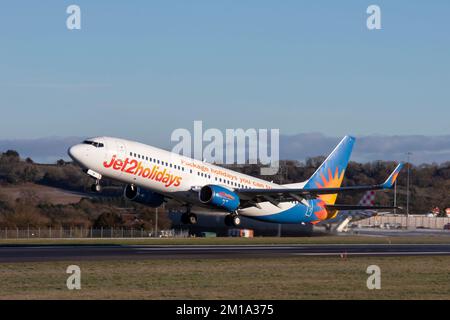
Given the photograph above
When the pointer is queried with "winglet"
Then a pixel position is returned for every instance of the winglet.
(391, 180)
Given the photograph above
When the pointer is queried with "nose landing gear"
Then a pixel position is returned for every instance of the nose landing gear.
(96, 187)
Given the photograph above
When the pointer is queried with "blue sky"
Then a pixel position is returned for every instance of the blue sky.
(140, 69)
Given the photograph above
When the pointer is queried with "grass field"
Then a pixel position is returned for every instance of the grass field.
(250, 241)
(282, 278)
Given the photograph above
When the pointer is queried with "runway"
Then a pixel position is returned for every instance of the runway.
(42, 253)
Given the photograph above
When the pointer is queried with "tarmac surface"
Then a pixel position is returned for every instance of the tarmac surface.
(42, 253)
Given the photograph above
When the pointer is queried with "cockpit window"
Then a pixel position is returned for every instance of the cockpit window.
(93, 143)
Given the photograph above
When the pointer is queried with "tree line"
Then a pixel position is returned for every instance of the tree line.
(429, 188)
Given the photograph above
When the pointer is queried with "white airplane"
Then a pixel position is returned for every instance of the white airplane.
(154, 176)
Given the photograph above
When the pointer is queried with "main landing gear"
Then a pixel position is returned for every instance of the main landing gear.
(233, 220)
(188, 217)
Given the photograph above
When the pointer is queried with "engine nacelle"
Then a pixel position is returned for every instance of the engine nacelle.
(150, 198)
(219, 197)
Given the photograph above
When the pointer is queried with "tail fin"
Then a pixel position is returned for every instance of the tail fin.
(331, 172)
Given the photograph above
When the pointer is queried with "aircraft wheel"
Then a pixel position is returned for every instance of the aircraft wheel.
(233, 220)
(189, 218)
(236, 220)
(192, 218)
(96, 187)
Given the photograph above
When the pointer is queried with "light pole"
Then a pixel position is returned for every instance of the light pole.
(156, 223)
(395, 197)
(407, 185)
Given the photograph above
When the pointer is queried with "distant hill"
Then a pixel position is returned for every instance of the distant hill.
(425, 149)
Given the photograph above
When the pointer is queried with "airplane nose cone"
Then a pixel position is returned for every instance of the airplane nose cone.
(75, 152)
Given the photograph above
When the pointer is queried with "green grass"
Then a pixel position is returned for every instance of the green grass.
(257, 278)
(232, 241)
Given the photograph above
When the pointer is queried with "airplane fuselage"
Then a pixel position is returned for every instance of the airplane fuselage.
(179, 178)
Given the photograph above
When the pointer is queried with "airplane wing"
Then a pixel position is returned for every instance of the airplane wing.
(291, 194)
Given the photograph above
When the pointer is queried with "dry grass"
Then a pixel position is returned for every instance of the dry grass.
(283, 278)
(43, 193)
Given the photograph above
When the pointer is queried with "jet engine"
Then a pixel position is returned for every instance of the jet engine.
(143, 196)
(220, 197)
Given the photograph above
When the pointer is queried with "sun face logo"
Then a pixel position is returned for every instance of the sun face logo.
(332, 181)
(320, 211)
